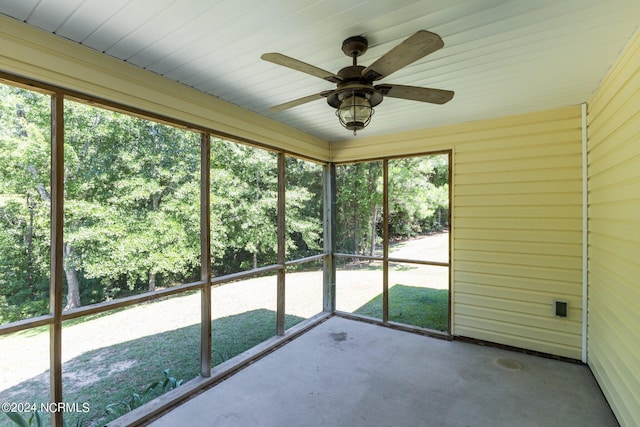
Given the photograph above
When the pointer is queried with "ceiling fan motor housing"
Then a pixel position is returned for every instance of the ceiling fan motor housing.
(353, 84)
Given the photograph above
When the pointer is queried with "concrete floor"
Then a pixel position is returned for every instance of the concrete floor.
(349, 373)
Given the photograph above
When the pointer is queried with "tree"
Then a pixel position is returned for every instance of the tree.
(24, 203)
(131, 201)
(244, 193)
(303, 208)
(418, 194)
(359, 207)
(131, 205)
(418, 201)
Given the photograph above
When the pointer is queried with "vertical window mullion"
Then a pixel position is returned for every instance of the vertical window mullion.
(56, 277)
(385, 240)
(205, 255)
(450, 225)
(280, 317)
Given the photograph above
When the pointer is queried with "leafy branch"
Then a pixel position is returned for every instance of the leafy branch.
(138, 399)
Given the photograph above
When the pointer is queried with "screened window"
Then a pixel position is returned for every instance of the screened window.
(394, 265)
(25, 203)
(244, 210)
(132, 192)
(359, 208)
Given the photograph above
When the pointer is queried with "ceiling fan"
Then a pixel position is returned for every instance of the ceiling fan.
(355, 94)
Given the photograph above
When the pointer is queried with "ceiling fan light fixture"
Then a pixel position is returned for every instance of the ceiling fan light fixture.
(355, 112)
(355, 94)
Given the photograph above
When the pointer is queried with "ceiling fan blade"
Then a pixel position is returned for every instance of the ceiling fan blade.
(422, 94)
(415, 47)
(285, 61)
(300, 101)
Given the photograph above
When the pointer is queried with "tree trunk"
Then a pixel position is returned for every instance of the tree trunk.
(40, 187)
(356, 232)
(73, 289)
(152, 281)
(30, 244)
(73, 284)
(373, 230)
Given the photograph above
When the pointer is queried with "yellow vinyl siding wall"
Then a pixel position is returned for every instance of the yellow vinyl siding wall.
(517, 221)
(614, 236)
(37, 55)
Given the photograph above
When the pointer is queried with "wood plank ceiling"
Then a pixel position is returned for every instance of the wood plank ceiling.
(500, 57)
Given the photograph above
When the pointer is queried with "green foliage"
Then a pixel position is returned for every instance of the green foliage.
(132, 196)
(24, 203)
(169, 383)
(243, 207)
(418, 195)
(132, 214)
(303, 208)
(18, 419)
(138, 399)
(418, 201)
(359, 207)
(35, 420)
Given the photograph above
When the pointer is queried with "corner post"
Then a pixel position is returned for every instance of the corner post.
(57, 243)
(329, 226)
(205, 255)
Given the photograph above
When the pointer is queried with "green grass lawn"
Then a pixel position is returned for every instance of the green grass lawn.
(411, 305)
(113, 374)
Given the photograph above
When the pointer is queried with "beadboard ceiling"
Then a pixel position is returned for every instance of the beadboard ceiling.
(500, 57)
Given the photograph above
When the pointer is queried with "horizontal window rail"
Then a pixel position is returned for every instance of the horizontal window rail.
(305, 260)
(395, 260)
(216, 281)
(101, 307)
(394, 325)
(414, 261)
(128, 301)
(367, 257)
(24, 324)
(187, 287)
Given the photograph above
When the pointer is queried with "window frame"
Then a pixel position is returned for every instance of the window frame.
(207, 375)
